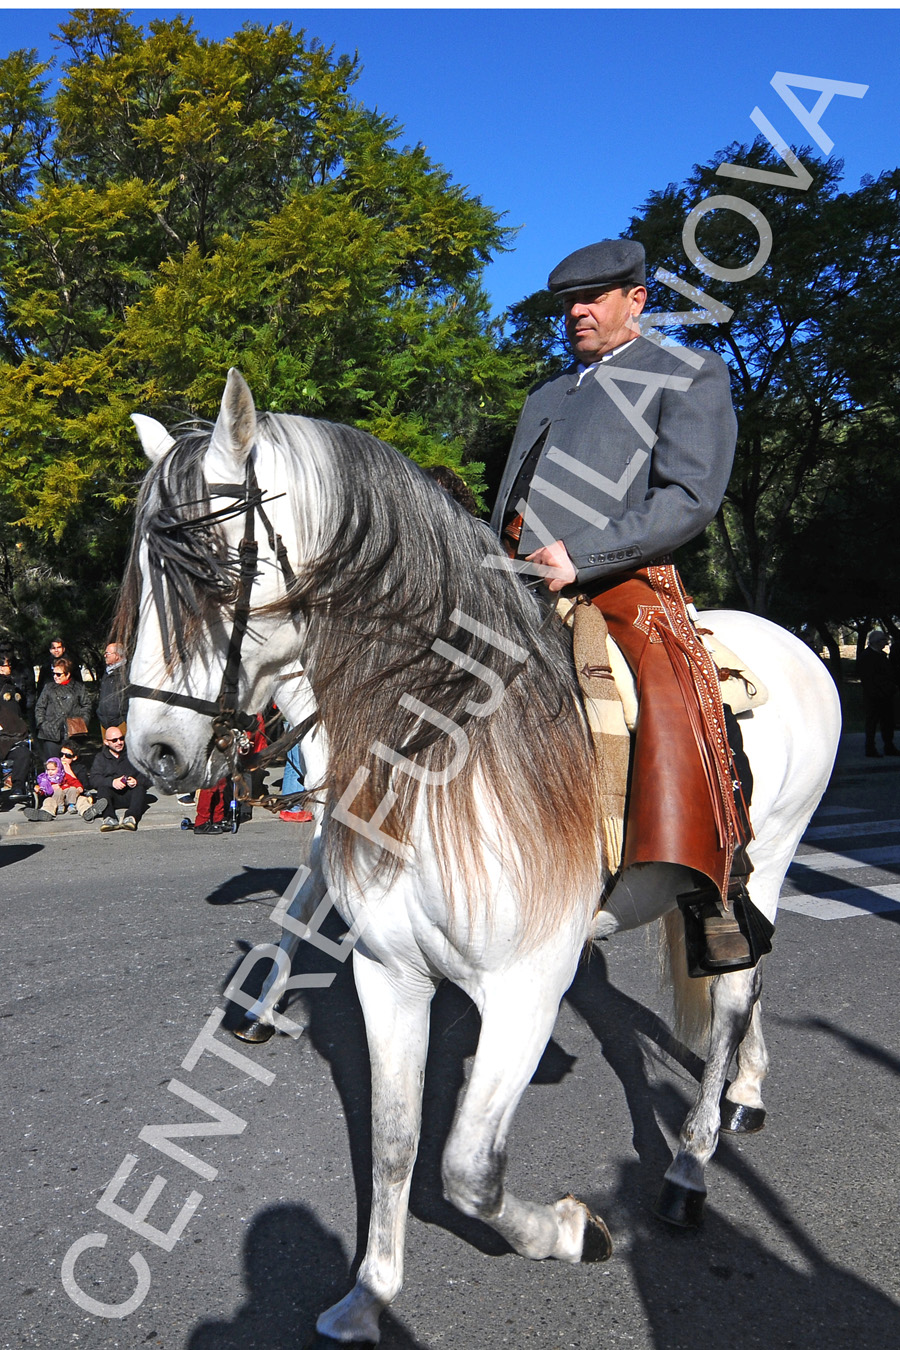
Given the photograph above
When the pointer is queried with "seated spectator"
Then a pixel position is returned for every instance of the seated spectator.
(122, 785)
(112, 705)
(14, 748)
(63, 709)
(62, 794)
(96, 805)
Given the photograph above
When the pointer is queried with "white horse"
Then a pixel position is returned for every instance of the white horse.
(456, 825)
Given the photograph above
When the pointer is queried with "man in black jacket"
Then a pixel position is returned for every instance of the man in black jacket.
(116, 779)
(112, 705)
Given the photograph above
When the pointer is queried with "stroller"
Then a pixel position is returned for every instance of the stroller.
(17, 771)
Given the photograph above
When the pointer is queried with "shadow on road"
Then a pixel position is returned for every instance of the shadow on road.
(293, 1268)
(13, 853)
(252, 883)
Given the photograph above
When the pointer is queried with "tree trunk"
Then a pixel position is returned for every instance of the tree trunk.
(834, 652)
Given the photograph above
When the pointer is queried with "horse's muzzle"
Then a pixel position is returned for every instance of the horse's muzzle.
(165, 766)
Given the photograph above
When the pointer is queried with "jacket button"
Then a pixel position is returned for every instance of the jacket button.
(543, 422)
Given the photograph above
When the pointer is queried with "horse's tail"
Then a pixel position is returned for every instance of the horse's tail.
(693, 1005)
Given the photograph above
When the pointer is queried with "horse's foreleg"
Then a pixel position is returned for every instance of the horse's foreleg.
(684, 1189)
(396, 1013)
(515, 1028)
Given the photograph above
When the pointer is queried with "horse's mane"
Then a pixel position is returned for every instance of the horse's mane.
(389, 556)
(385, 558)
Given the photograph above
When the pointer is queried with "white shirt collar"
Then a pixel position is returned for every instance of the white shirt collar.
(607, 356)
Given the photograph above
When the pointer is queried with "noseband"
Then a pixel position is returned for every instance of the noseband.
(228, 723)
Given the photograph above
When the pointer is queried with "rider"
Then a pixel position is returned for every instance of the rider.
(617, 461)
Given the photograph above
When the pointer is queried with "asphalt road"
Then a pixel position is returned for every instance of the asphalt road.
(118, 948)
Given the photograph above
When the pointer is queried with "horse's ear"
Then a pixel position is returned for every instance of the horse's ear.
(155, 440)
(234, 433)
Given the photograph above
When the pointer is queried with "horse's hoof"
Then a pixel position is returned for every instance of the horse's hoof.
(680, 1205)
(598, 1245)
(254, 1031)
(738, 1119)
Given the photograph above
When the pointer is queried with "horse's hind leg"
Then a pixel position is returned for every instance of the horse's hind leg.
(684, 1190)
(514, 1031)
(742, 1105)
(396, 1012)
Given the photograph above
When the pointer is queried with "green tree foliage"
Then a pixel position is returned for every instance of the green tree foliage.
(812, 343)
(183, 205)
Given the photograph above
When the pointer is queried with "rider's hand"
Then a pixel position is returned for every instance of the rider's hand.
(555, 556)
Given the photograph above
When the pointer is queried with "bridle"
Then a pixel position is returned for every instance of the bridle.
(229, 725)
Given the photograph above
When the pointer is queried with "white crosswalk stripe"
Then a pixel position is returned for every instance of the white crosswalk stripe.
(813, 869)
(852, 829)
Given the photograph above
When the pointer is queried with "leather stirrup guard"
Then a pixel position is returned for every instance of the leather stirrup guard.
(754, 926)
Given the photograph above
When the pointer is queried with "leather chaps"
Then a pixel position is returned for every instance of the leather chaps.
(685, 803)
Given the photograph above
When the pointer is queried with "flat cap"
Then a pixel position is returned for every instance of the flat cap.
(612, 262)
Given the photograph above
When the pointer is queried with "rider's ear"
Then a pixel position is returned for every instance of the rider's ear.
(155, 440)
(234, 432)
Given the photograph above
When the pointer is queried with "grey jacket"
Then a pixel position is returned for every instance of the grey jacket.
(635, 460)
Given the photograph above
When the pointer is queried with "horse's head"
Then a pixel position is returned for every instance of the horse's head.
(205, 560)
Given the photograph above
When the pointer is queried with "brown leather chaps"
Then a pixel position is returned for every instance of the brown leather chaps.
(681, 803)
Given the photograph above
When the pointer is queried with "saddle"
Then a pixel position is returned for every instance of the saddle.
(610, 699)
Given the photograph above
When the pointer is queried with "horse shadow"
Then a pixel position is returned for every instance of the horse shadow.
(279, 1312)
(13, 853)
(695, 1286)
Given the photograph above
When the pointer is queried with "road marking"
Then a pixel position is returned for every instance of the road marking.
(849, 904)
(844, 862)
(852, 828)
(854, 901)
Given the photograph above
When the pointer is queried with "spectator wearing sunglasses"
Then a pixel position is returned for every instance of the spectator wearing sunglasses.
(115, 778)
(60, 705)
(61, 792)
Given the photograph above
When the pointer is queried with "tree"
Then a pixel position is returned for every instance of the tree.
(184, 205)
(812, 340)
(813, 356)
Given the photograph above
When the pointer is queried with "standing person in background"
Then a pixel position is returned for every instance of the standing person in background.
(112, 705)
(63, 709)
(13, 734)
(878, 689)
(58, 652)
(22, 675)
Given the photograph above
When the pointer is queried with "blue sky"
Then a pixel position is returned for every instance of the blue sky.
(565, 119)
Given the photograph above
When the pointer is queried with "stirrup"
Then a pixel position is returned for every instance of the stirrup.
(705, 918)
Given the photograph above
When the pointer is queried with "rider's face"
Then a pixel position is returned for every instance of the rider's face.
(599, 320)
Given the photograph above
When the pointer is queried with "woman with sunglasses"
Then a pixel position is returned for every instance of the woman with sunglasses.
(60, 703)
